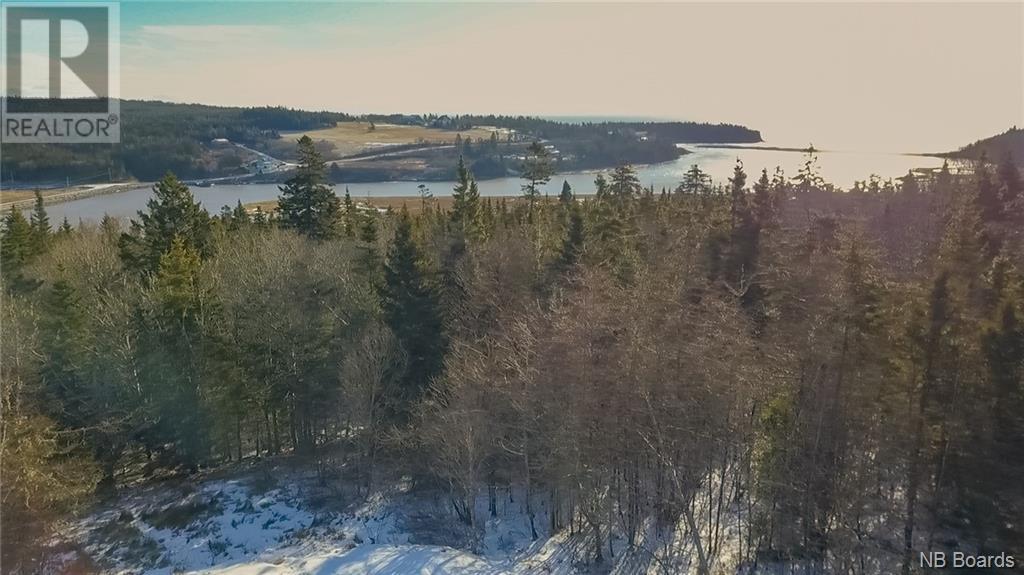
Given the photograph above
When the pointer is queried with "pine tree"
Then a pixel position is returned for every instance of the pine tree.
(349, 214)
(764, 202)
(240, 217)
(695, 182)
(173, 212)
(625, 185)
(412, 311)
(536, 170)
(40, 224)
(16, 242)
(565, 197)
(307, 203)
(600, 187)
(62, 336)
(259, 217)
(65, 228)
(738, 195)
(176, 279)
(465, 215)
(110, 227)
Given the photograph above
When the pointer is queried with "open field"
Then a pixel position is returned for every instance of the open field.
(18, 195)
(353, 137)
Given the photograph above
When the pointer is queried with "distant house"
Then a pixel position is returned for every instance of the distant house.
(444, 122)
(220, 142)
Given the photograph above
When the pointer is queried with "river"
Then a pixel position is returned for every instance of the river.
(839, 168)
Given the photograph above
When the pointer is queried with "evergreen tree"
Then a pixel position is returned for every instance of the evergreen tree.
(565, 197)
(307, 203)
(466, 203)
(171, 362)
(349, 214)
(601, 187)
(110, 227)
(176, 277)
(40, 224)
(240, 217)
(173, 212)
(537, 170)
(738, 195)
(16, 243)
(259, 217)
(764, 201)
(62, 332)
(695, 182)
(625, 185)
(65, 228)
(412, 311)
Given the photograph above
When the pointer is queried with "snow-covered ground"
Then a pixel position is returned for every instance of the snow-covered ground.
(286, 523)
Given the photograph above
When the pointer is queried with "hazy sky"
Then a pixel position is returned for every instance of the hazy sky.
(900, 77)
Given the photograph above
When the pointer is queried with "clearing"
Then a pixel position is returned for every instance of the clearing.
(354, 137)
(278, 518)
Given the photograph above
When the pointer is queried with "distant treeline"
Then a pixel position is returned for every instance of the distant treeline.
(996, 148)
(161, 136)
(155, 137)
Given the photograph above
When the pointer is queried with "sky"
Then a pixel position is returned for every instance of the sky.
(911, 77)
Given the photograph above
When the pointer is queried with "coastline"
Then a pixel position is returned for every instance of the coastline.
(77, 194)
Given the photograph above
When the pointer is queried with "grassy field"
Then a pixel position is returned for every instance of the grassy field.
(18, 195)
(352, 137)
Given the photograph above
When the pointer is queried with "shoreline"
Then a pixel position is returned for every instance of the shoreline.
(71, 195)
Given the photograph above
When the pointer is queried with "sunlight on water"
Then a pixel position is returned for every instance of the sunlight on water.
(839, 168)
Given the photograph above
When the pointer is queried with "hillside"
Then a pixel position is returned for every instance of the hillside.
(198, 141)
(995, 147)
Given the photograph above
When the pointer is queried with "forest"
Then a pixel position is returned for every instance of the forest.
(840, 371)
(161, 136)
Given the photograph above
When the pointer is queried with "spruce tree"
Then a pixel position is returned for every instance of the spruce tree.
(625, 185)
(738, 195)
(240, 217)
(173, 212)
(62, 335)
(565, 197)
(412, 311)
(40, 224)
(307, 203)
(349, 214)
(764, 202)
(695, 182)
(16, 243)
(536, 170)
(176, 277)
(65, 228)
(465, 203)
(110, 227)
(572, 245)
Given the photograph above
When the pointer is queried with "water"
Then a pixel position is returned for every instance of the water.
(839, 168)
